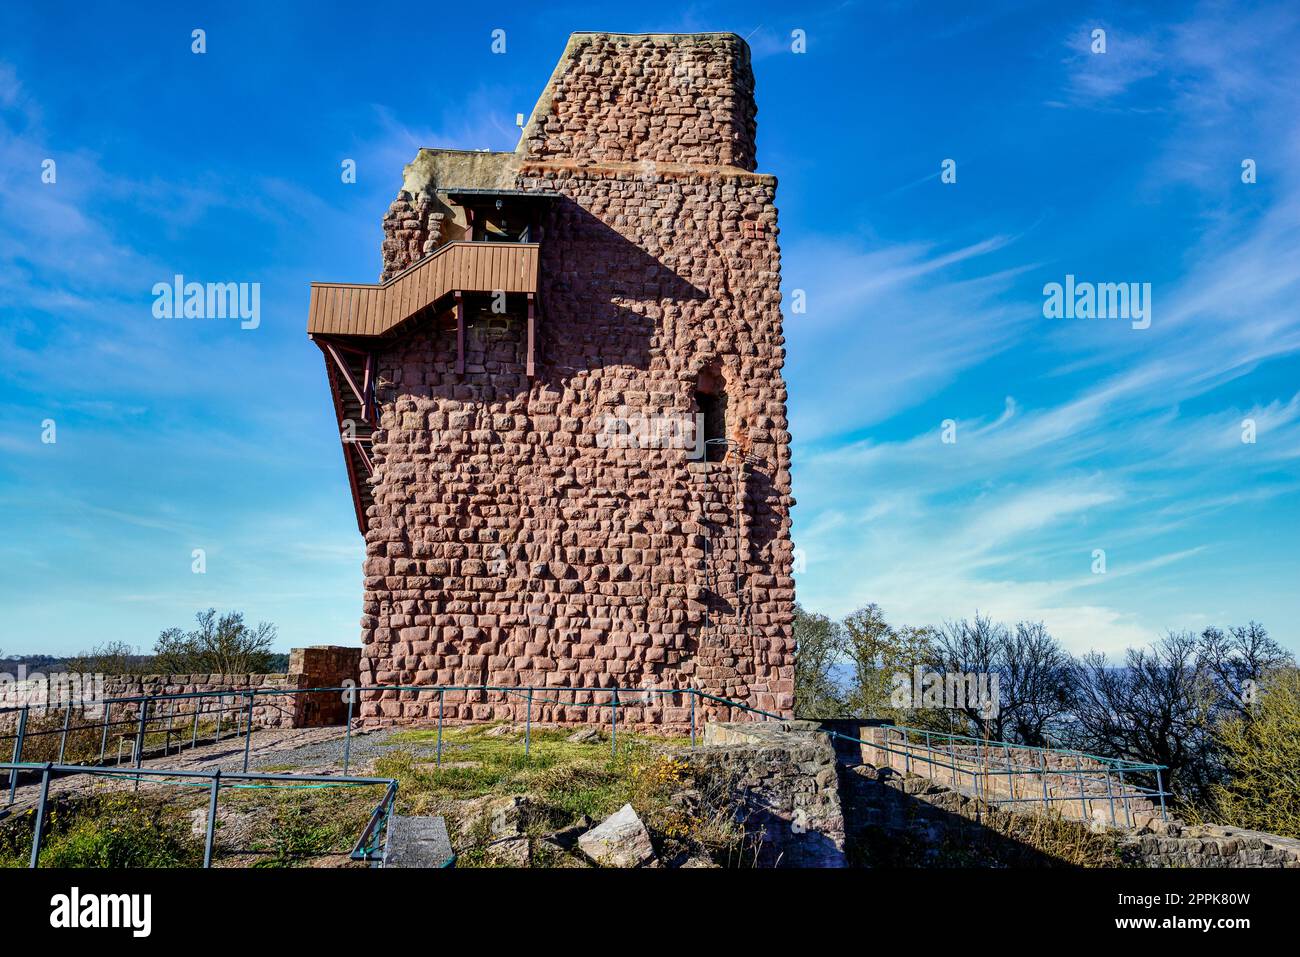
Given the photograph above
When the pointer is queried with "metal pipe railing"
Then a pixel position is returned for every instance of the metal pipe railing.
(363, 850)
(937, 749)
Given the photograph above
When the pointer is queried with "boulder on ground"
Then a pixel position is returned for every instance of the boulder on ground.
(621, 840)
(495, 817)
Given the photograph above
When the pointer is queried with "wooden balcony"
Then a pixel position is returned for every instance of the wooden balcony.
(341, 315)
(359, 309)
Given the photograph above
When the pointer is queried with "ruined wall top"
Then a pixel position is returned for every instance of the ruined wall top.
(683, 101)
(658, 97)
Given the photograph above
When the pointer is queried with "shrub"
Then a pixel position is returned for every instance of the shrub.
(1261, 755)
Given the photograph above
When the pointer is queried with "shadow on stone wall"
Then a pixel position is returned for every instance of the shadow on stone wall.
(891, 821)
(604, 298)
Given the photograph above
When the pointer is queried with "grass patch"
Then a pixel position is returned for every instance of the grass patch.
(105, 831)
(564, 781)
(292, 826)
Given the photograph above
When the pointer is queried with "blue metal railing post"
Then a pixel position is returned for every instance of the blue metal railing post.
(139, 738)
(347, 736)
(194, 733)
(1042, 755)
(1161, 788)
(63, 738)
(441, 702)
(40, 816)
(103, 735)
(211, 834)
(1111, 795)
(528, 725)
(167, 737)
(694, 695)
(18, 752)
(1083, 801)
(1123, 797)
(1011, 772)
(613, 724)
(248, 731)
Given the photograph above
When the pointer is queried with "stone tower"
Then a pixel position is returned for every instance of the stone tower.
(562, 410)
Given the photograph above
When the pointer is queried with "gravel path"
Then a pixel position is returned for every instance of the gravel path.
(320, 751)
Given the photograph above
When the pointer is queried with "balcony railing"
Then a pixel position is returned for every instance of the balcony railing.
(359, 309)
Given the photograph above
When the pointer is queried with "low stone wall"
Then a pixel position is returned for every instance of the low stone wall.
(323, 666)
(783, 777)
(220, 693)
(1076, 786)
(1210, 845)
(909, 820)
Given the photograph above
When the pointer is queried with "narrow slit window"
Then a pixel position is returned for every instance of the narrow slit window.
(712, 405)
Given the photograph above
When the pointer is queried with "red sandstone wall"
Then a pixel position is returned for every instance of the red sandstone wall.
(506, 545)
(663, 98)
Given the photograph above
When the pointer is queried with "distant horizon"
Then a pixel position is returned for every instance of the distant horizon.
(962, 439)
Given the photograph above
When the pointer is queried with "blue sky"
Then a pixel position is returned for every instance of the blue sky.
(924, 299)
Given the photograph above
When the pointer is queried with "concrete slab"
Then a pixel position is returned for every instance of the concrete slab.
(418, 842)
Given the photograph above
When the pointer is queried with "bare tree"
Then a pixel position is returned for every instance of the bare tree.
(1157, 706)
(1238, 661)
(1035, 677)
(110, 658)
(222, 645)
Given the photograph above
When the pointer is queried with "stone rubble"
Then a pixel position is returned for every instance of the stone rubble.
(621, 840)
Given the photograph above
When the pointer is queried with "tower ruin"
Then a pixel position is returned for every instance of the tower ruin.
(562, 409)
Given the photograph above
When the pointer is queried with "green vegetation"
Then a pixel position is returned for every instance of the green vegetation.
(565, 783)
(163, 826)
(1187, 702)
(113, 830)
(1262, 755)
(302, 826)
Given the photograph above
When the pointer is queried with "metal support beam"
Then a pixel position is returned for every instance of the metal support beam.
(368, 390)
(356, 388)
(39, 830)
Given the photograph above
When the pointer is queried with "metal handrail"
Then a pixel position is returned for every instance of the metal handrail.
(381, 816)
(939, 747)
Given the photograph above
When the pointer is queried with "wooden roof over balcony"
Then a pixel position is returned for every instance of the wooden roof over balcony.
(361, 309)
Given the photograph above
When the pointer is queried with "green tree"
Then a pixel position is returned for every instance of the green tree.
(222, 645)
(878, 653)
(1262, 758)
(819, 647)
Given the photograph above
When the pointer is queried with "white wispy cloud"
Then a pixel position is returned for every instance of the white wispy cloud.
(1128, 452)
